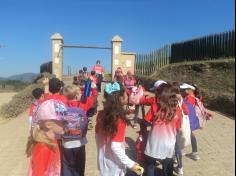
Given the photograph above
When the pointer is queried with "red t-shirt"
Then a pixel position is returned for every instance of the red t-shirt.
(93, 79)
(191, 99)
(45, 161)
(85, 106)
(185, 108)
(31, 109)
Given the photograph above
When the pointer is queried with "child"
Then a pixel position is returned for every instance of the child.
(118, 73)
(73, 150)
(99, 71)
(179, 147)
(42, 145)
(137, 107)
(110, 134)
(85, 74)
(165, 117)
(75, 80)
(93, 77)
(129, 80)
(38, 95)
(53, 88)
(190, 100)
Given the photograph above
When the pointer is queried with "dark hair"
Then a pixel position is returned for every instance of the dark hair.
(98, 62)
(167, 104)
(55, 85)
(160, 89)
(138, 81)
(93, 73)
(197, 91)
(113, 111)
(80, 71)
(37, 93)
(85, 69)
(75, 78)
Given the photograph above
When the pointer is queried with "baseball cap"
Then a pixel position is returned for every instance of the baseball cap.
(157, 84)
(187, 86)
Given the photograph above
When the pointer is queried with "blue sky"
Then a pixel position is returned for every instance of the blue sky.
(27, 25)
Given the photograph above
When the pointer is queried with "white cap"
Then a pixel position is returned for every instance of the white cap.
(187, 86)
(158, 84)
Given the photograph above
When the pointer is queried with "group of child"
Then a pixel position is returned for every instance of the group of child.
(96, 75)
(51, 154)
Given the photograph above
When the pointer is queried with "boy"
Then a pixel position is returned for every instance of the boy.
(38, 95)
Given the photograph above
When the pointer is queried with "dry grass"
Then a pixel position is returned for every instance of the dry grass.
(19, 103)
(216, 80)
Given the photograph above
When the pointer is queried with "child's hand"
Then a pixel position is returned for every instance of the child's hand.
(137, 169)
(45, 81)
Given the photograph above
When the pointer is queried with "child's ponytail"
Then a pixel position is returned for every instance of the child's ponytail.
(167, 104)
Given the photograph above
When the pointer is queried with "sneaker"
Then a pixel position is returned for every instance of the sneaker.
(194, 156)
(179, 171)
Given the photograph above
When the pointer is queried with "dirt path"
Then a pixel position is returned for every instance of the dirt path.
(216, 148)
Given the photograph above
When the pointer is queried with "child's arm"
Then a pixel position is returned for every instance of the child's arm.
(148, 101)
(117, 145)
(119, 151)
(46, 85)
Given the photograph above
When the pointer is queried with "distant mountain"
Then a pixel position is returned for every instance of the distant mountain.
(26, 77)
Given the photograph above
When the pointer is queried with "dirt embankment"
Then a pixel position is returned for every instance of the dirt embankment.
(216, 80)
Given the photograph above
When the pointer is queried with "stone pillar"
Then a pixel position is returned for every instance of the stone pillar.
(57, 55)
(116, 53)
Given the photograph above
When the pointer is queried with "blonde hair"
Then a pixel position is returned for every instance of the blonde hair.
(38, 135)
(71, 92)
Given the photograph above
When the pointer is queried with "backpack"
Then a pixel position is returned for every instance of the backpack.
(77, 123)
(201, 112)
(130, 83)
(136, 96)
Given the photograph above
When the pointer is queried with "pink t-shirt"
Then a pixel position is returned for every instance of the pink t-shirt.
(98, 69)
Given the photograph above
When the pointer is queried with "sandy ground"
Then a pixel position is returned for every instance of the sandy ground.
(216, 147)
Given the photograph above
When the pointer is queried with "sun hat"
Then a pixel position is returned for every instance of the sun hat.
(187, 86)
(49, 110)
(157, 84)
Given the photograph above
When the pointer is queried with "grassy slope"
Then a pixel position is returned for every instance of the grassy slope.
(216, 79)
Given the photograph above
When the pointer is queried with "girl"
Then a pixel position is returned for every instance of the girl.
(110, 134)
(179, 147)
(190, 100)
(129, 80)
(73, 150)
(137, 107)
(42, 147)
(118, 73)
(165, 117)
